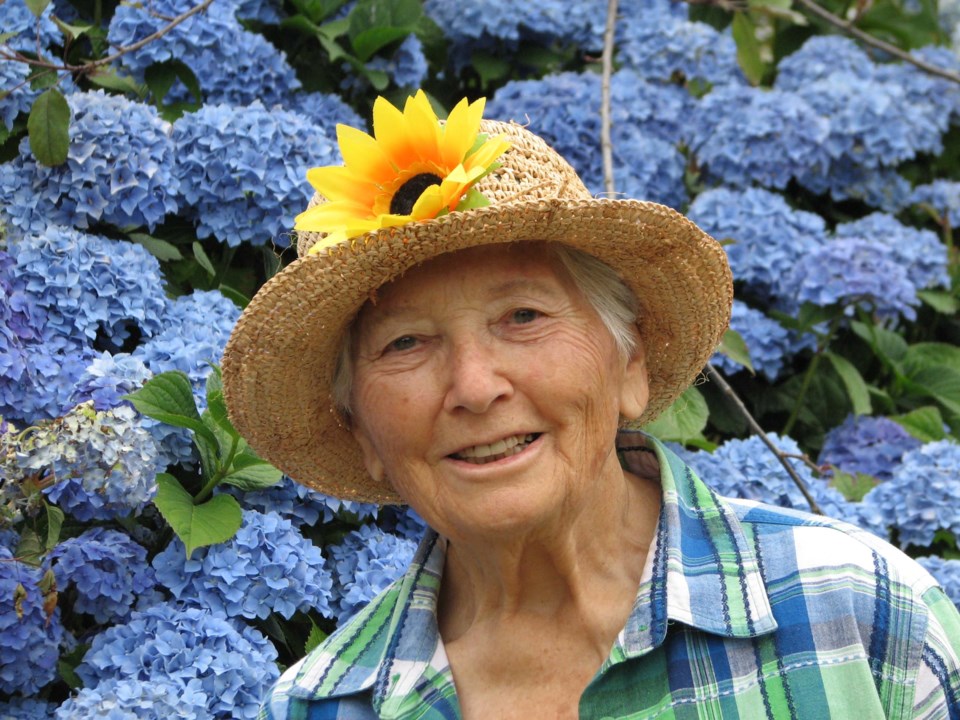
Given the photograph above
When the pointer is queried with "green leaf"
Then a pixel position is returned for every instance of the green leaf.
(203, 259)
(215, 521)
(254, 477)
(49, 128)
(54, 524)
(942, 302)
(234, 296)
(209, 454)
(853, 487)
(108, 78)
(926, 355)
(314, 638)
(29, 549)
(886, 344)
(214, 385)
(375, 24)
(68, 663)
(924, 423)
(71, 32)
(472, 200)
(168, 397)
(160, 249)
(489, 67)
(683, 421)
(301, 24)
(161, 76)
(733, 346)
(853, 381)
(748, 47)
(37, 6)
(940, 383)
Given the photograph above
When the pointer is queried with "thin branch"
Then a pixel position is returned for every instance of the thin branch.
(869, 39)
(606, 143)
(94, 64)
(716, 377)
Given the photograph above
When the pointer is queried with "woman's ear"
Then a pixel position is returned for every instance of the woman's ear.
(371, 459)
(635, 390)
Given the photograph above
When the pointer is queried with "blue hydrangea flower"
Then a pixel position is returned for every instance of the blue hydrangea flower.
(820, 57)
(15, 80)
(106, 569)
(102, 464)
(233, 65)
(406, 68)
(325, 112)
(882, 188)
(108, 378)
(17, 19)
(923, 495)
(403, 521)
(659, 42)
(268, 12)
(365, 563)
(943, 196)
(744, 135)
(118, 170)
(266, 567)
(26, 709)
(9, 539)
(134, 699)
(945, 572)
(299, 504)
(193, 649)
(769, 343)
(919, 252)
(30, 636)
(853, 271)
(768, 236)
(495, 26)
(253, 192)
(89, 287)
(747, 469)
(870, 445)
(564, 109)
(937, 97)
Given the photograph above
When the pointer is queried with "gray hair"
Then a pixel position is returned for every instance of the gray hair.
(604, 291)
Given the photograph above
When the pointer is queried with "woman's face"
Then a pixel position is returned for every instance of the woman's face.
(488, 391)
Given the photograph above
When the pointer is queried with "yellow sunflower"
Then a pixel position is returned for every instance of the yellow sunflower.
(413, 168)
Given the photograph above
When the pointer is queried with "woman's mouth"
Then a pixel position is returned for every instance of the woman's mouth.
(483, 454)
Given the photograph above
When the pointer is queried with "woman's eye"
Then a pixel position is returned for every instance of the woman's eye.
(524, 315)
(402, 343)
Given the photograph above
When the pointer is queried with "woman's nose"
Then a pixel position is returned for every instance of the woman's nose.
(477, 377)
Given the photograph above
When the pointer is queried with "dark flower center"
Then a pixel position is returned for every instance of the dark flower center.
(406, 197)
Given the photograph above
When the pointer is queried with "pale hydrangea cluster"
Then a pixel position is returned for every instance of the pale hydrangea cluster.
(864, 444)
(943, 196)
(31, 634)
(106, 570)
(232, 64)
(202, 655)
(268, 566)
(229, 176)
(364, 564)
(131, 698)
(95, 465)
(119, 170)
(108, 378)
(923, 496)
(945, 572)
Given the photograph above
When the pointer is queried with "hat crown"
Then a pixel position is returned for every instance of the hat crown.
(529, 170)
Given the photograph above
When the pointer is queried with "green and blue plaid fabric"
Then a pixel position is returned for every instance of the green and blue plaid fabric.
(744, 611)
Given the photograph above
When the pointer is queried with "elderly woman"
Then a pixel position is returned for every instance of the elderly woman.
(476, 349)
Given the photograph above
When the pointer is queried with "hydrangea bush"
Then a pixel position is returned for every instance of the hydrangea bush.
(828, 172)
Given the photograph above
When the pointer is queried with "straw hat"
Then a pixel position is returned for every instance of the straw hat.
(279, 362)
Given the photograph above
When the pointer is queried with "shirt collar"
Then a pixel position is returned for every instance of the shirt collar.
(704, 573)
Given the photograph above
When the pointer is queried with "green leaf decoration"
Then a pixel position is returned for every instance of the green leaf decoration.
(733, 346)
(203, 259)
(168, 397)
(374, 24)
(924, 423)
(160, 249)
(683, 421)
(854, 383)
(212, 522)
(37, 6)
(49, 128)
(748, 48)
(314, 638)
(472, 200)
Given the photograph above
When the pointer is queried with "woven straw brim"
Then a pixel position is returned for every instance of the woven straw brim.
(279, 362)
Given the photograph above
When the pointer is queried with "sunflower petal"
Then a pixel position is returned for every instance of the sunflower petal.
(488, 152)
(460, 131)
(336, 182)
(363, 156)
(423, 126)
(392, 131)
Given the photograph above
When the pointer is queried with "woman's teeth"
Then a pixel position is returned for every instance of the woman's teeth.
(482, 454)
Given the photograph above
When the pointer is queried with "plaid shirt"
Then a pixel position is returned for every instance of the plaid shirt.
(743, 611)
